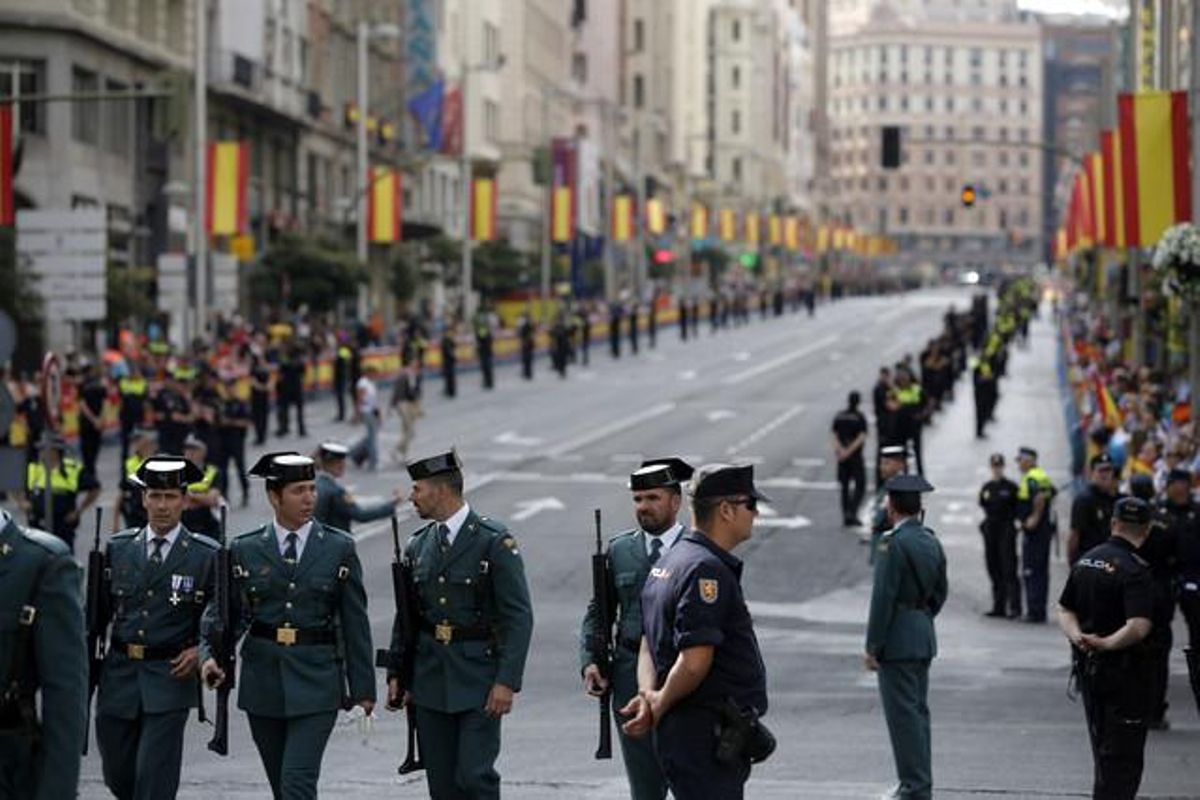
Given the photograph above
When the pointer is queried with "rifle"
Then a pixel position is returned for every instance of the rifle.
(223, 644)
(398, 661)
(602, 638)
(97, 621)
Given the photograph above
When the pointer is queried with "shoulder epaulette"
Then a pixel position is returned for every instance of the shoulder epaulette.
(128, 533)
(493, 526)
(617, 537)
(337, 534)
(206, 541)
(47, 541)
(251, 533)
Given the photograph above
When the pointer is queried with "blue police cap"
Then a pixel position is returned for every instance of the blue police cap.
(1179, 474)
(723, 480)
(908, 484)
(1133, 510)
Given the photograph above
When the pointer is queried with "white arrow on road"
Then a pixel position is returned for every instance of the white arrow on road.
(527, 508)
(783, 522)
(718, 414)
(513, 438)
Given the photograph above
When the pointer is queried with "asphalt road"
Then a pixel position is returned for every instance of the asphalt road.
(543, 455)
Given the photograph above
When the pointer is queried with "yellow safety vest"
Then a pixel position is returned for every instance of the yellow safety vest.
(133, 386)
(343, 353)
(910, 396)
(185, 373)
(132, 464)
(63, 480)
(159, 348)
(1038, 476)
(204, 484)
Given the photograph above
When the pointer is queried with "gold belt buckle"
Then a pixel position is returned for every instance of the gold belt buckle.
(285, 636)
(443, 632)
(136, 652)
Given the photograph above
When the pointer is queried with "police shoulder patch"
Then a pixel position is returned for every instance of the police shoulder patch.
(710, 589)
(511, 544)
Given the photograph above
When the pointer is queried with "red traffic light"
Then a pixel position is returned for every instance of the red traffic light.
(664, 256)
(968, 196)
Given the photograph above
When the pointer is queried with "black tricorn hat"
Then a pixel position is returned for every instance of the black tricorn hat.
(167, 472)
(724, 480)
(284, 467)
(908, 484)
(657, 473)
(434, 465)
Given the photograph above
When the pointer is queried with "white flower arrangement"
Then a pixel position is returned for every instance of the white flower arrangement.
(1177, 260)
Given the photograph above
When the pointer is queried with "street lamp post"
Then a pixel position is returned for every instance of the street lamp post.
(199, 265)
(464, 166)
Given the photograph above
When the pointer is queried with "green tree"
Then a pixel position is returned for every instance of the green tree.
(130, 295)
(498, 267)
(405, 276)
(447, 254)
(299, 270)
(20, 299)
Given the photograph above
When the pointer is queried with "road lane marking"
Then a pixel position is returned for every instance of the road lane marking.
(778, 361)
(616, 426)
(529, 508)
(764, 430)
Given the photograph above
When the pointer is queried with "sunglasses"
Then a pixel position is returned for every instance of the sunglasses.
(751, 503)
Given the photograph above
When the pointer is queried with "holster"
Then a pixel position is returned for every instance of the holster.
(741, 735)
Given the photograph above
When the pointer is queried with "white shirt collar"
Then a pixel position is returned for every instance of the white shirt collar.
(456, 521)
(669, 537)
(301, 536)
(171, 536)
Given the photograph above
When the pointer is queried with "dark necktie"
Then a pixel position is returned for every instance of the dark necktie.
(656, 547)
(289, 552)
(443, 537)
(156, 558)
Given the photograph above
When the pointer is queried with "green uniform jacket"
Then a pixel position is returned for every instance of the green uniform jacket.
(325, 590)
(879, 521)
(479, 582)
(628, 567)
(157, 608)
(337, 509)
(59, 658)
(910, 589)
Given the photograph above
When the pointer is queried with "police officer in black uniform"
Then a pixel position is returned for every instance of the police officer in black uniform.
(998, 498)
(527, 334)
(1105, 611)
(849, 440)
(449, 361)
(484, 349)
(1091, 511)
(1160, 552)
(1181, 514)
(700, 671)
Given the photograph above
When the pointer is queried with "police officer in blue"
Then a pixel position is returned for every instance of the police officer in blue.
(909, 590)
(336, 507)
(657, 490)
(701, 676)
(159, 579)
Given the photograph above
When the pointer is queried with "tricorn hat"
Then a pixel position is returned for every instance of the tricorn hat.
(167, 472)
(434, 465)
(284, 467)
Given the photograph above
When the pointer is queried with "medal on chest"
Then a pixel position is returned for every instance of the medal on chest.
(180, 583)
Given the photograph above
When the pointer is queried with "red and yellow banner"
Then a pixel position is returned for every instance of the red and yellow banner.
(699, 222)
(228, 169)
(8, 214)
(1096, 180)
(384, 201)
(728, 225)
(562, 215)
(823, 239)
(752, 228)
(791, 233)
(656, 216)
(774, 230)
(1156, 179)
(622, 220)
(483, 210)
(1110, 200)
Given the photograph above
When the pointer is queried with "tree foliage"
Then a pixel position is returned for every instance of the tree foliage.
(404, 275)
(298, 271)
(498, 267)
(130, 295)
(20, 299)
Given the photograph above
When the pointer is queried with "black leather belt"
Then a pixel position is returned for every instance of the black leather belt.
(135, 651)
(446, 633)
(292, 636)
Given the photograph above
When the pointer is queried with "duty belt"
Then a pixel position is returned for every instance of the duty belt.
(288, 636)
(446, 633)
(136, 651)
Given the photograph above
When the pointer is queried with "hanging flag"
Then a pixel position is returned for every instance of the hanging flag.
(228, 164)
(1114, 223)
(384, 201)
(1060, 244)
(791, 233)
(1096, 179)
(774, 230)
(1156, 178)
(452, 122)
(699, 224)
(7, 212)
(622, 219)
(562, 215)
(483, 210)
(752, 231)
(728, 224)
(823, 239)
(656, 216)
(428, 107)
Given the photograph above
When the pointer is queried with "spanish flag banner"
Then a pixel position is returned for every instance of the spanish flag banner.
(1096, 179)
(728, 225)
(1060, 244)
(483, 210)
(1156, 180)
(656, 216)
(1110, 200)
(752, 230)
(791, 233)
(7, 212)
(774, 230)
(384, 202)
(823, 239)
(228, 167)
(562, 215)
(699, 223)
(622, 219)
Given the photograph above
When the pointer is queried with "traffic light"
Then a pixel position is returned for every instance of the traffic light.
(968, 196)
(664, 256)
(748, 260)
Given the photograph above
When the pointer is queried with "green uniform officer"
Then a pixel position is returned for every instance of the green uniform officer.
(909, 590)
(307, 652)
(43, 653)
(657, 496)
(893, 461)
(158, 579)
(336, 507)
(475, 623)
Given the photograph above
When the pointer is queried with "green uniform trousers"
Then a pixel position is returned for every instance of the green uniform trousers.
(459, 751)
(904, 690)
(18, 773)
(646, 779)
(291, 749)
(141, 757)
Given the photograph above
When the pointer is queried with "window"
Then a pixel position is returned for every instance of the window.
(977, 133)
(949, 103)
(1002, 186)
(1023, 159)
(948, 216)
(929, 104)
(176, 25)
(118, 130)
(929, 157)
(85, 117)
(949, 157)
(32, 81)
(735, 30)
(147, 20)
(1002, 158)
(491, 120)
(579, 67)
(491, 43)
(639, 35)
(735, 76)
(735, 122)
(978, 158)
(976, 57)
(736, 167)
(639, 91)
(902, 215)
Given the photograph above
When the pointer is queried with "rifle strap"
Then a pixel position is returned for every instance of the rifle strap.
(22, 660)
